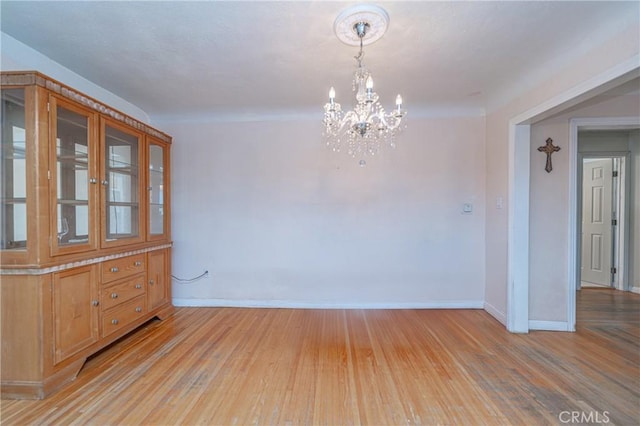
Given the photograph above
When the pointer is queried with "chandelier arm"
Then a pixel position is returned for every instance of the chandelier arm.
(394, 123)
(338, 124)
(349, 119)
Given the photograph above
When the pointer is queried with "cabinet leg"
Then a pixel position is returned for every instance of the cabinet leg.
(165, 312)
(41, 389)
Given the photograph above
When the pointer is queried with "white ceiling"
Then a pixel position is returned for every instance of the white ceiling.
(177, 59)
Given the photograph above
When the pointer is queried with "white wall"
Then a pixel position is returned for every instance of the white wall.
(634, 270)
(279, 220)
(614, 140)
(17, 56)
(548, 221)
(618, 52)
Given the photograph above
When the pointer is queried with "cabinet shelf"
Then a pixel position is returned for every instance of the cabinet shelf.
(73, 159)
(14, 200)
(121, 165)
(67, 202)
(74, 123)
(13, 245)
(122, 204)
(124, 171)
(14, 156)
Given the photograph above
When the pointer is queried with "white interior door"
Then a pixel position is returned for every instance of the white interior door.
(597, 185)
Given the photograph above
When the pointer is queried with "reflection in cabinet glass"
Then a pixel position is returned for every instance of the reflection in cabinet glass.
(122, 184)
(13, 171)
(156, 190)
(72, 171)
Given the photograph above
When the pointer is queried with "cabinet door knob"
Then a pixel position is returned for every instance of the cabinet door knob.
(138, 309)
(93, 180)
(105, 182)
(138, 286)
(137, 263)
(114, 295)
(95, 302)
(114, 321)
(150, 282)
(114, 269)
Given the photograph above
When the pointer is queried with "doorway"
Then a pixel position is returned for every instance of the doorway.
(628, 273)
(602, 217)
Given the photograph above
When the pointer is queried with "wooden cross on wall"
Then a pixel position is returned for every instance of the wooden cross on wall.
(549, 149)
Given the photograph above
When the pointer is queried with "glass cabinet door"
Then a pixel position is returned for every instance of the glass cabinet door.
(13, 171)
(73, 178)
(157, 188)
(122, 215)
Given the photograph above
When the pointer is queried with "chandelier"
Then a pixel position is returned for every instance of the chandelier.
(368, 126)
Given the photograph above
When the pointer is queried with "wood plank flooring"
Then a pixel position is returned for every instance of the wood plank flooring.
(228, 366)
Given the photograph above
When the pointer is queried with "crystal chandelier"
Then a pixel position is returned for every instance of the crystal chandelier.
(368, 126)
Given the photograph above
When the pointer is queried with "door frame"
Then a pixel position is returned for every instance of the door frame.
(592, 123)
(620, 237)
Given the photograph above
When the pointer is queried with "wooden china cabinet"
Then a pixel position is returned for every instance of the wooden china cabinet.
(85, 239)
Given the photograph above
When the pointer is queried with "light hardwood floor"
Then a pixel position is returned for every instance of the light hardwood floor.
(223, 366)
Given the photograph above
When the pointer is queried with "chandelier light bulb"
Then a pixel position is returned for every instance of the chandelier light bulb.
(369, 83)
(398, 106)
(332, 95)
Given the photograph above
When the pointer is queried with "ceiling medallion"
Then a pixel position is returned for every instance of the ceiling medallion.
(375, 17)
(368, 125)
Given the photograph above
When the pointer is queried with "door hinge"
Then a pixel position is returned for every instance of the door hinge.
(614, 270)
(49, 174)
(614, 222)
(48, 107)
(615, 173)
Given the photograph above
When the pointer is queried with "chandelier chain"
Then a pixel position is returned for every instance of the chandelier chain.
(360, 54)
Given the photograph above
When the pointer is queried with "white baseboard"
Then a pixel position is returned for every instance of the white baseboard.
(228, 303)
(497, 314)
(549, 325)
(635, 290)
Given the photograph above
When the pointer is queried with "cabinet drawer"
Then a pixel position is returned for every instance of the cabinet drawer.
(119, 293)
(122, 315)
(123, 267)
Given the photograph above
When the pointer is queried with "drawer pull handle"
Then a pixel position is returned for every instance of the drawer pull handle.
(137, 263)
(138, 309)
(114, 295)
(114, 321)
(114, 269)
(151, 282)
(138, 286)
(95, 302)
